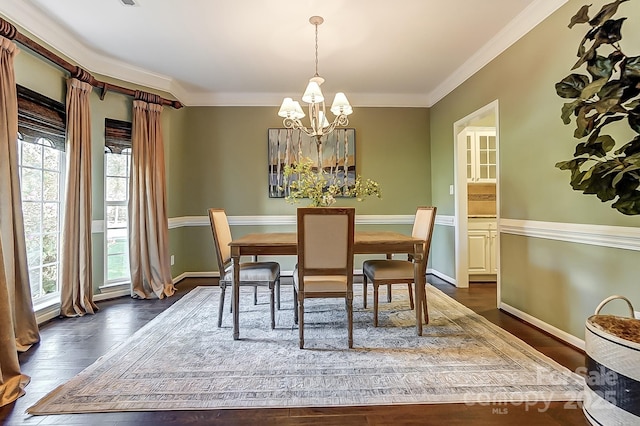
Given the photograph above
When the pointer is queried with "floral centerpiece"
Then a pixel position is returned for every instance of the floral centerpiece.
(322, 191)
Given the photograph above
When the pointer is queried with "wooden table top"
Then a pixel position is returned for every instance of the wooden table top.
(370, 242)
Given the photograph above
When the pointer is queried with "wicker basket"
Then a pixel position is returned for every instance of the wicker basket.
(612, 387)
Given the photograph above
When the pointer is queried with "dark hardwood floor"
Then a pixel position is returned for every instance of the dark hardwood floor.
(70, 345)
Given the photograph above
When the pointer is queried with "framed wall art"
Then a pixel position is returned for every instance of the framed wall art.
(335, 155)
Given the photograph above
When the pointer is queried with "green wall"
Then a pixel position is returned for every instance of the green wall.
(559, 283)
(222, 162)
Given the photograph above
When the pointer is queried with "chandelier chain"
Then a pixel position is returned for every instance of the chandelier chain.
(316, 25)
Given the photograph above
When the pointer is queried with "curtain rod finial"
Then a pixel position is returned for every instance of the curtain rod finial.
(7, 30)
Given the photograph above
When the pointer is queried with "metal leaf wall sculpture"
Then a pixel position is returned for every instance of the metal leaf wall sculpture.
(608, 92)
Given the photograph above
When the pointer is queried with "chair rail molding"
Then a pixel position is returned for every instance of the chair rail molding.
(620, 237)
(445, 220)
(623, 237)
(186, 221)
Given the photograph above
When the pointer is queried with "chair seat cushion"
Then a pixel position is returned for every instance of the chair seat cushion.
(382, 269)
(255, 271)
(321, 283)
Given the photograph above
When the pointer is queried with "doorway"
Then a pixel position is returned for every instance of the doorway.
(484, 118)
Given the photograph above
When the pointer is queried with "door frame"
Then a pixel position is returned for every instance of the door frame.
(460, 198)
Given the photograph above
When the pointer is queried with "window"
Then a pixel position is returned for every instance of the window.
(41, 165)
(117, 164)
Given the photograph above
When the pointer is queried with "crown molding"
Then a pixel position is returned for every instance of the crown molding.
(26, 16)
(529, 18)
(380, 100)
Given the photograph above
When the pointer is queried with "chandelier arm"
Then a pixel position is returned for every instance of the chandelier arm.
(340, 121)
(291, 123)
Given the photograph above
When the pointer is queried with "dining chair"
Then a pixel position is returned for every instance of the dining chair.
(395, 271)
(325, 260)
(253, 274)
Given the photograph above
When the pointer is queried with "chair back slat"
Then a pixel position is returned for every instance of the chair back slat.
(423, 228)
(221, 236)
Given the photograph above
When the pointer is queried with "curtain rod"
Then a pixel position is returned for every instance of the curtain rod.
(9, 31)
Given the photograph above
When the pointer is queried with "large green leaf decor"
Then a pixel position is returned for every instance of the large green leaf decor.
(605, 92)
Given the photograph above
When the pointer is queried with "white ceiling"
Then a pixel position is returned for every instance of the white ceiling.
(254, 52)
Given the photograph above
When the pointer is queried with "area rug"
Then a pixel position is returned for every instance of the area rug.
(182, 361)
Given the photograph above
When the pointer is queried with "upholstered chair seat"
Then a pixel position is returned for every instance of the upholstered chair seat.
(381, 269)
(254, 271)
(395, 271)
(253, 274)
(322, 283)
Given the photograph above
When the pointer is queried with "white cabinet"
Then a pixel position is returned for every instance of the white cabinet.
(481, 154)
(482, 242)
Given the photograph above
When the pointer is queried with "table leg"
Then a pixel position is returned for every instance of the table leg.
(419, 287)
(418, 300)
(236, 296)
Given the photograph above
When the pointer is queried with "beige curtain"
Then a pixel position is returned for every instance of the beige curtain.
(148, 223)
(18, 327)
(76, 288)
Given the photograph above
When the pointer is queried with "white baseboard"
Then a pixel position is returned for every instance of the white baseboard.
(200, 274)
(48, 313)
(442, 276)
(556, 332)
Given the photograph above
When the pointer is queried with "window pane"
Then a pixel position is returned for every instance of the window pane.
(31, 184)
(42, 188)
(32, 217)
(34, 250)
(117, 165)
(116, 216)
(116, 189)
(50, 187)
(52, 159)
(50, 279)
(118, 268)
(50, 218)
(117, 241)
(31, 155)
(49, 248)
(117, 255)
(34, 280)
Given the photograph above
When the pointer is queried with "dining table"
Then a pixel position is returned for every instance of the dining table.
(365, 242)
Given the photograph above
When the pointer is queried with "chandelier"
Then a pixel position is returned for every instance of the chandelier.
(292, 112)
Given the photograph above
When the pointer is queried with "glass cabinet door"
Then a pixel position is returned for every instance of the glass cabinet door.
(481, 154)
